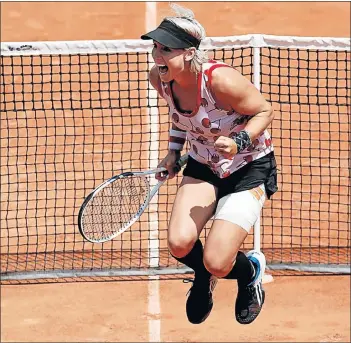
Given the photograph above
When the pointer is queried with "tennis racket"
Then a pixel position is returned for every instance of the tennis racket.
(115, 205)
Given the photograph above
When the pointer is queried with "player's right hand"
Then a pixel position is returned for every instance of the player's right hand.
(170, 163)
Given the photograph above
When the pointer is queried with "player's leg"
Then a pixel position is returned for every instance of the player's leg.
(194, 205)
(235, 215)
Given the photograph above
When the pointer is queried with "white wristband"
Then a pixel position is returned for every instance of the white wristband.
(177, 133)
(176, 139)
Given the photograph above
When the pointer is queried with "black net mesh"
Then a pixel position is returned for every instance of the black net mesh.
(69, 122)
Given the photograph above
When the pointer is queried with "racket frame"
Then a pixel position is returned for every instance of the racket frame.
(150, 194)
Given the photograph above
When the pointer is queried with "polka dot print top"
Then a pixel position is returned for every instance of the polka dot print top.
(207, 122)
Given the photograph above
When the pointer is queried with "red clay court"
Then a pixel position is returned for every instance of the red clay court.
(42, 158)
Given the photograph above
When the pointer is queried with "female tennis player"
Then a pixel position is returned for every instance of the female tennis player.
(231, 168)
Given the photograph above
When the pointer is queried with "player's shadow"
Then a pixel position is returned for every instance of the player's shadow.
(202, 214)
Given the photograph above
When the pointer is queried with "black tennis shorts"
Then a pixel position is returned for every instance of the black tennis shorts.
(253, 174)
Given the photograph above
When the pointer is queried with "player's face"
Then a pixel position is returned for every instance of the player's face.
(170, 62)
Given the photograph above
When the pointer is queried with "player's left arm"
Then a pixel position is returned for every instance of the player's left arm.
(233, 89)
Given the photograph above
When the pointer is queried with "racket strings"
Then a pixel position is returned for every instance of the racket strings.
(115, 206)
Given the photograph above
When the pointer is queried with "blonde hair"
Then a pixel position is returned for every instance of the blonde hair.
(185, 19)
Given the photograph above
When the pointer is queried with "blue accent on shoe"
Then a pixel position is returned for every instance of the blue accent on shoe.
(257, 267)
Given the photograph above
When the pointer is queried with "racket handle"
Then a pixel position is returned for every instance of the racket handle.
(183, 160)
(179, 165)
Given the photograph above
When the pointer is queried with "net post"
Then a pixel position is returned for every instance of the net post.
(257, 247)
(257, 235)
(257, 82)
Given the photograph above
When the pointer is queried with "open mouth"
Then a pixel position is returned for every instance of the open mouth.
(162, 69)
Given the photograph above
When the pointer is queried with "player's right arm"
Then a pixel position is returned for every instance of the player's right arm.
(176, 136)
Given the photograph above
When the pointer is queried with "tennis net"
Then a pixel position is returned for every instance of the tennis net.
(76, 113)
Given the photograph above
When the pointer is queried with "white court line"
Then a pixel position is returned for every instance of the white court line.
(154, 309)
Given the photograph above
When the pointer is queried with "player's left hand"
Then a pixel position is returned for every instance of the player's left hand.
(226, 147)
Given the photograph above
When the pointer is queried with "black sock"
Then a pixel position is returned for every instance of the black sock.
(194, 260)
(243, 270)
